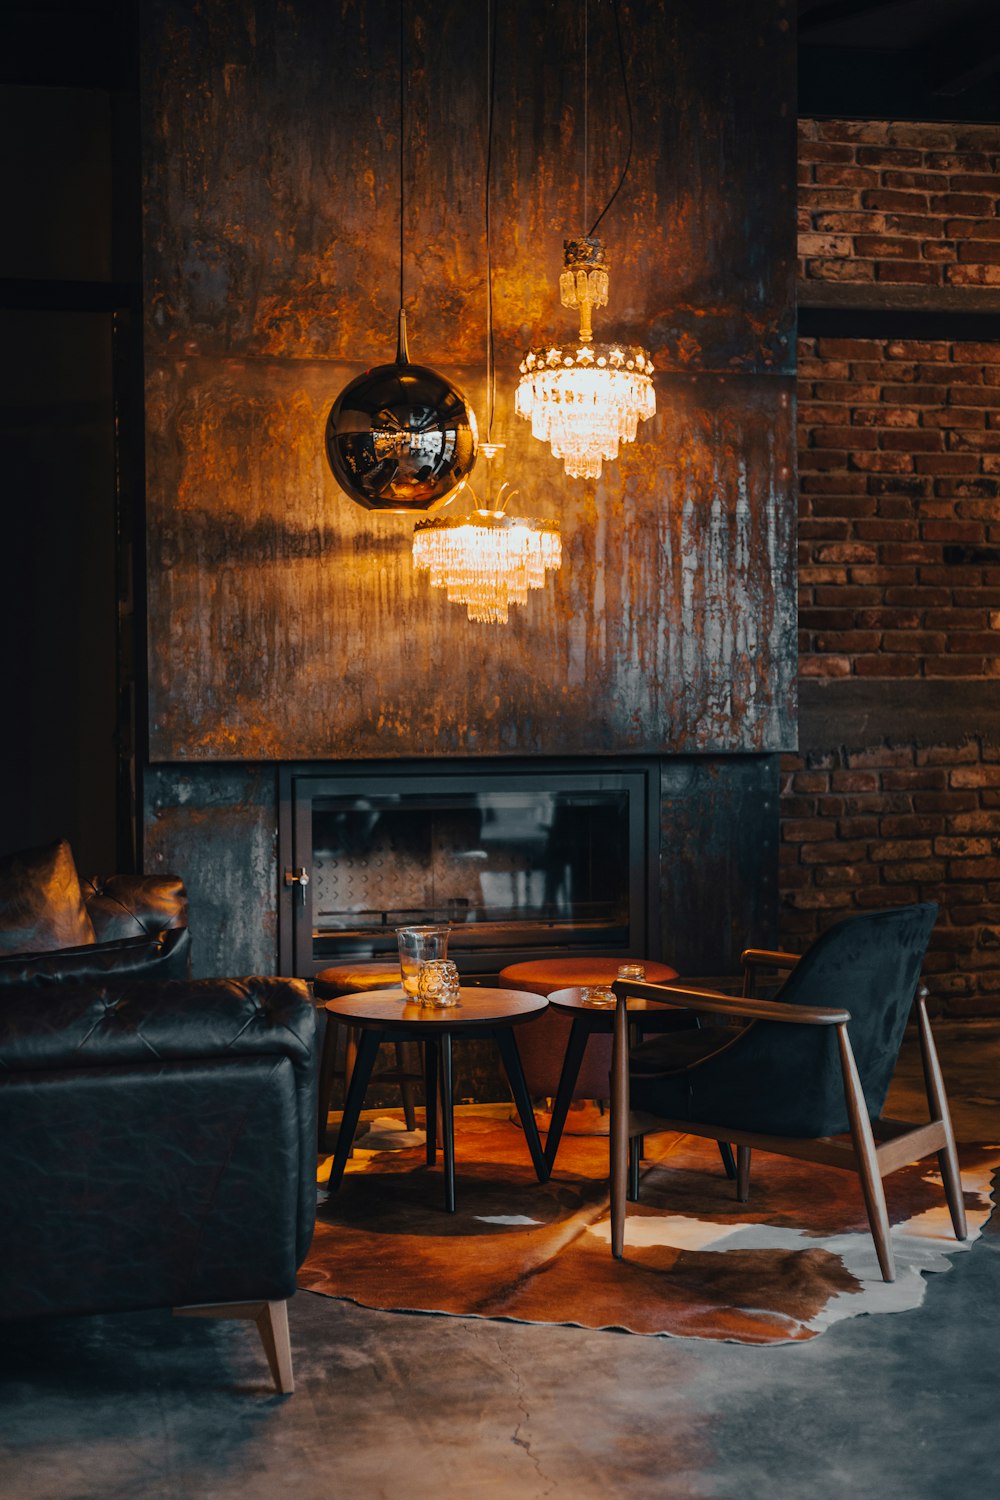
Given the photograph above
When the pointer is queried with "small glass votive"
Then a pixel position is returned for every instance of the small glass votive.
(438, 983)
(632, 971)
(598, 996)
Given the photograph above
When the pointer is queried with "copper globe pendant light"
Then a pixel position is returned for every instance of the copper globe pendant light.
(401, 437)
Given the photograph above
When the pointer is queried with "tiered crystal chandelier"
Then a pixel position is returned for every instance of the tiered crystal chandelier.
(585, 399)
(487, 560)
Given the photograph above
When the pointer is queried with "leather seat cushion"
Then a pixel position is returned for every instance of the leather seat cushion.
(41, 904)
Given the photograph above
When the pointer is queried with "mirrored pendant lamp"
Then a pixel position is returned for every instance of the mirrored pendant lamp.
(581, 397)
(401, 437)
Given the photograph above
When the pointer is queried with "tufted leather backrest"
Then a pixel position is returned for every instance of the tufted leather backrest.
(129, 906)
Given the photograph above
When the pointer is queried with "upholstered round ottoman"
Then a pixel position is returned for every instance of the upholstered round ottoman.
(543, 1044)
(352, 979)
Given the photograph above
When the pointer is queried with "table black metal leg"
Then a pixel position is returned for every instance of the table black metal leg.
(519, 1088)
(579, 1032)
(447, 1124)
(430, 1098)
(367, 1053)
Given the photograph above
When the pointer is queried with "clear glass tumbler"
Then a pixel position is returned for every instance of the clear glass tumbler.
(438, 983)
(632, 971)
(416, 946)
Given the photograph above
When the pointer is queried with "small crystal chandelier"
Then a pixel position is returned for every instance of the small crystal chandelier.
(487, 560)
(585, 398)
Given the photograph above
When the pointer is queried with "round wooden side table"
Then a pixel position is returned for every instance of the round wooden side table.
(544, 1048)
(391, 1016)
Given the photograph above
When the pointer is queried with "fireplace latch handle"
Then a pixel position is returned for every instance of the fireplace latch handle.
(299, 877)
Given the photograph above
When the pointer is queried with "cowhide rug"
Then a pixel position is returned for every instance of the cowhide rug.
(784, 1266)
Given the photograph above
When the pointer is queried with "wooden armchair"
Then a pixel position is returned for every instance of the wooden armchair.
(792, 1076)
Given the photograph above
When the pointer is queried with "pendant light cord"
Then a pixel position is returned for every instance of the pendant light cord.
(586, 110)
(628, 109)
(402, 116)
(491, 81)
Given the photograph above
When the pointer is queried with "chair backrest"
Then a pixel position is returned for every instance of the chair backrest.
(786, 1080)
(870, 965)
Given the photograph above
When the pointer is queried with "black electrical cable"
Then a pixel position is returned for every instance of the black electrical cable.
(628, 107)
(402, 73)
(491, 66)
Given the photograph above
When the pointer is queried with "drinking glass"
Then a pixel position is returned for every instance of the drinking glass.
(438, 982)
(632, 971)
(416, 946)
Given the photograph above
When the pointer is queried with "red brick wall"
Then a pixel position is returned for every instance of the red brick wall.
(903, 204)
(899, 465)
(886, 825)
(899, 530)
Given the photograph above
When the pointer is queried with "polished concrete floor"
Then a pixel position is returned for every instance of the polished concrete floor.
(899, 1407)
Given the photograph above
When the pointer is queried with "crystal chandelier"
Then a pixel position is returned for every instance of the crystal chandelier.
(584, 399)
(587, 398)
(487, 560)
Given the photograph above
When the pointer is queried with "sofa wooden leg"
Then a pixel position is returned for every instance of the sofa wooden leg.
(272, 1325)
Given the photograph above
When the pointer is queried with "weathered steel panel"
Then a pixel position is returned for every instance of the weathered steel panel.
(272, 176)
(287, 622)
(216, 827)
(718, 860)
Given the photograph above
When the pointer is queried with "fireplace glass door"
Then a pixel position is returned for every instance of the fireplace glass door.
(520, 864)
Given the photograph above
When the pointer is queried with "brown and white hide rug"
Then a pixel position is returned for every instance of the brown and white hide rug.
(795, 1259)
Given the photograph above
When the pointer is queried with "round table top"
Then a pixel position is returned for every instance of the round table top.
(478, 1007)
(570, 1000)
(543, 975)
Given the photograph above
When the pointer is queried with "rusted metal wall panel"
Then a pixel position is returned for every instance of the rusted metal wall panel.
(216, 827)
(718, 860)
(293, 628)
(284, 622)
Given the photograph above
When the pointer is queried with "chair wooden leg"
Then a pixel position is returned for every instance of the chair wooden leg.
(867, 1160)
(618, 1134)
(407, 1090)
(742, 1173)
(271, 1319)
(937, 1101)
(726, 1152)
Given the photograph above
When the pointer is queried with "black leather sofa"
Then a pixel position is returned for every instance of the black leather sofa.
(159, 1145)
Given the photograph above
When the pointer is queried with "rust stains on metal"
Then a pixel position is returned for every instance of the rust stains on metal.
(286, 623)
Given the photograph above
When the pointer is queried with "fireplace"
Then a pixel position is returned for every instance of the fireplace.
(524, 860)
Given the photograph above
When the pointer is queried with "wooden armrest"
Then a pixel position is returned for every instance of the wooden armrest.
(710, 1002)
(768, 958)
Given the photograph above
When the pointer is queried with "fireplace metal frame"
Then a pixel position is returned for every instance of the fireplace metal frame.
(300, 783)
